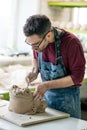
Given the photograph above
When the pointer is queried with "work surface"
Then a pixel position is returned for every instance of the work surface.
(62, 124)
(26, 120)
(58, 124)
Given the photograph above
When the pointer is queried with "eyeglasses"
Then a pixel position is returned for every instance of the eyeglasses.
(37, 44)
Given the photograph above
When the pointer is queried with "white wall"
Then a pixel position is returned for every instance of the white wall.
(25, 8)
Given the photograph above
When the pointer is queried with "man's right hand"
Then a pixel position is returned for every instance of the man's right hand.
(31, 77)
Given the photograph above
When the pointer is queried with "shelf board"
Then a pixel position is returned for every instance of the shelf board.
(67, 4)
(77, 31)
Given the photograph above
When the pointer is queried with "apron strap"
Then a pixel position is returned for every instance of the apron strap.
(58, 53)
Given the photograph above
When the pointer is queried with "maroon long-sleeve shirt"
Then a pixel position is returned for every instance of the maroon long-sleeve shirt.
(72, 54)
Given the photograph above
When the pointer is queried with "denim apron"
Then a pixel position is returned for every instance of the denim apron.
(63, 99)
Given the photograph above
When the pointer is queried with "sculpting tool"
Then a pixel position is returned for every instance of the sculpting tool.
(32, 72)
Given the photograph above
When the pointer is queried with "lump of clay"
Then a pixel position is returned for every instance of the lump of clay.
(22, 101)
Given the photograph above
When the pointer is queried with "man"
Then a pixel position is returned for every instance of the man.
(59, 58)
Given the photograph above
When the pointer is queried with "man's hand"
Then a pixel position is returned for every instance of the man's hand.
(31, 77)
(41, 89)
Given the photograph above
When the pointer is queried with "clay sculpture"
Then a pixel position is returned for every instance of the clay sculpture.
(22, 101)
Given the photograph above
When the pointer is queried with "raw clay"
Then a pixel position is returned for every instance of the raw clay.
(22, 101)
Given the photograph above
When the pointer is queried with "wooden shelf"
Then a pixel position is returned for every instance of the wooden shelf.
(67, 4)
(78, 31)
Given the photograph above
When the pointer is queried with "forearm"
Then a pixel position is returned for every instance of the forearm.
(59, 83)
(35, 65)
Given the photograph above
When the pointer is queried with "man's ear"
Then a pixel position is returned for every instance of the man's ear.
(48, 35)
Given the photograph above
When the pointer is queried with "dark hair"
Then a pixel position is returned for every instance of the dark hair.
(37, 24)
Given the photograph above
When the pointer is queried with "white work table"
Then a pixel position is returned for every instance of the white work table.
(62, 124)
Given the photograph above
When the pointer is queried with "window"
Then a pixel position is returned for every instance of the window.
(80, 15)
(5, 23)
(13, 14)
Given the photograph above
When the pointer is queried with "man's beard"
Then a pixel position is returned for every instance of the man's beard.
(43, 47)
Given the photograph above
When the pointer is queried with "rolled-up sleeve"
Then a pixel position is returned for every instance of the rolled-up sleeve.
(76, 62)
(35, 55)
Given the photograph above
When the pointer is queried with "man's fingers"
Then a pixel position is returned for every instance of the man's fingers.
(37, 96)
